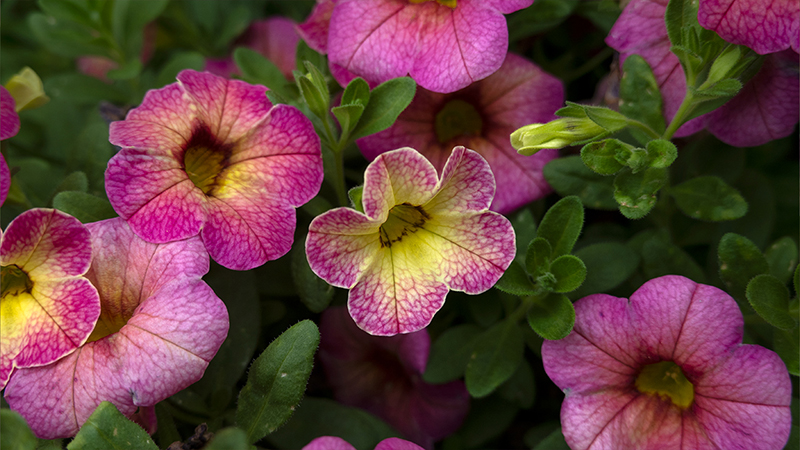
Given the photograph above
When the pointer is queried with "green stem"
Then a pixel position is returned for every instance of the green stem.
(649, 131)
(683, 111)
(341, 188)
(525, 305)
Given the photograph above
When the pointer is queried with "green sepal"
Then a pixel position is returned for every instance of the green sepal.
(355, 195)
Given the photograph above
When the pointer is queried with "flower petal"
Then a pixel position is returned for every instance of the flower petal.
(766, 26)
(315, 28)
(5, 180)
(340, 245)
(397, 177)
(46, 244)
(9, 119)
(276, 39)
(397, 444)
(467, 184)
(167, 107)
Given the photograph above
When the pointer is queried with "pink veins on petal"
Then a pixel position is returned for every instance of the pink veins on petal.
(419, 237)
(160, 326)
(47, 308)
(213, 157)
(667, 370)
(766, 26)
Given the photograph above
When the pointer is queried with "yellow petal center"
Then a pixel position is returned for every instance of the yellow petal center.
(448, 3)
(204, 159)
(14, 281)
(457, 118)
(666, 380)
(403, 220)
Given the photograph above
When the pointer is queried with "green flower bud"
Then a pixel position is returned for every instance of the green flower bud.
(558, 133)
(27, 90)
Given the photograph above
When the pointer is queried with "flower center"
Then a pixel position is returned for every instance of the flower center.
(448, 3)
(204, 159)
(14, 281)
(403, 220)
(666, 379)
(107, 324)
(457, 118)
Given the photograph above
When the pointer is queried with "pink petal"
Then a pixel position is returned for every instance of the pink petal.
(397, 444)
(315, 28)
(46, 244)
(400, 176)
(742, 425)
(328, 443)
(764, 109)
(167, 107)
(340, 245)
(766, 26)
(466, 185)
(276, 39)
(9, 120)
(5, 180)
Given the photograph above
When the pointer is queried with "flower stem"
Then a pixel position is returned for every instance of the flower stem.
(647, 130)
(683, 111)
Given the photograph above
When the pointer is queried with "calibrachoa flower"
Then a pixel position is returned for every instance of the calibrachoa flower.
(667, 370)
(9, 119)
(160, 326)
(275, 38)
(213, 157)
(763, 110)
(766, 26)
(383, 375)
(444, 45)
(5, 179)
(481, 117)
(47, 307)
(418, 237)
(337, 443)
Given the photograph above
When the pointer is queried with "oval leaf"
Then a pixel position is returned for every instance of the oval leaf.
(770, 298)
(552, 317)
(231, 438)
(386, 102)
(84, 207)
(636, 192)
(562, 225)
(14, 432)
(569, 271)
(515, 281)
(496, 356)
(450, 354)
(108, 429)
(782, 258)
(608, 264)
(709, 198)
(537, 260)
(739, 261)
(570, 176)
(277, 381)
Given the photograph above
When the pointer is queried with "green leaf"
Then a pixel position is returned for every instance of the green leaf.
(709, 198)
(555, 441)
(356, 194)
(231, 438)
(739, 262)
(562, 225)
(608, 264)
(234, 22)
(660, 257)
(726, 88)
(782, 258)
(569, 271)
(450, 354)
(495, 357)
(348, 116)
(178, 62)
(636, 192)
(316, 101)
(277, 381)
(76, 181)
(356, 93)
(83, 89)
(770, 298)
(609, 119)
(386, 102)
(108, 429)
(488, 418)
(541, 16)
(552, 317)
(15, 433)
(259, 70)
(314, 292)
(515, 281)
(570, 176)
(601, 156)
(680, 14)
(84, 207)
(65, 38)
(68, 10)
(521, 387)
(787, 346)
(323, 417)
(640, 96)
(538, 257)
(305, 53)
(662, 153)
(525, 229)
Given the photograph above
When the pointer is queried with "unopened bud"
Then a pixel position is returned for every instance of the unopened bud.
(558, 133)
(27, 90)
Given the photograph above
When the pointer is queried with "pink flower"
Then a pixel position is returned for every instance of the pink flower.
(48, 308)
(418, 237)
(667, 370)
(444, 45)
(5, 179)
(383, 375)
(213, 157)
(275, 38)
(9, 119)
(481, 117)
(766, 26)
(763, 110)
(337, 443)
(160, 326)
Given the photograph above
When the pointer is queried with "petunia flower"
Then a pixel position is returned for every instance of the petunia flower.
(213, 157)
(762, 111)
(160, 326)
(667, 370)
(481, 117)
(9, 119)
(337, 443)
(766, 26)
(48, 308)
(5, 179)
(383, 375)
(418, 237)
(444, 45)
(275, 38)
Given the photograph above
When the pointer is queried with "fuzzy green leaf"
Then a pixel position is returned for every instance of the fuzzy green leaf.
(450, 354)
(14, 432)
(570, 176)
(770, 298)
(494, 359)
(709, 198)
(782, 258)
(739, 262)
(515, 281)
(552, 317)
(108, 429)
(562, 225)
(84, 207)
(636, 192)
(640, 96)
(569, 271)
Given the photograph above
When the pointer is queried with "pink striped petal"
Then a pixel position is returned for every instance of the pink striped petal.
(397, 177)
(467, 184)
(167, 107)
(276, 39)
(315, 28)
(766, 26)
(328, 443)
(9, 119)
(5, 179)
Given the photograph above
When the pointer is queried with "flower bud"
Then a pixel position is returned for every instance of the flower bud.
(558, 133)
(27, 90)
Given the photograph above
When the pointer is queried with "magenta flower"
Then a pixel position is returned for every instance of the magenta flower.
(5, 179)
(337, 443)
(47, 309)
(667, 370)
(213, 157)
(418, 237)
(275, 38)
(481, 117)
(160, 326)
(9, 119)
(762, 111)
(766, 26)
(383, 375)
(444, 45)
